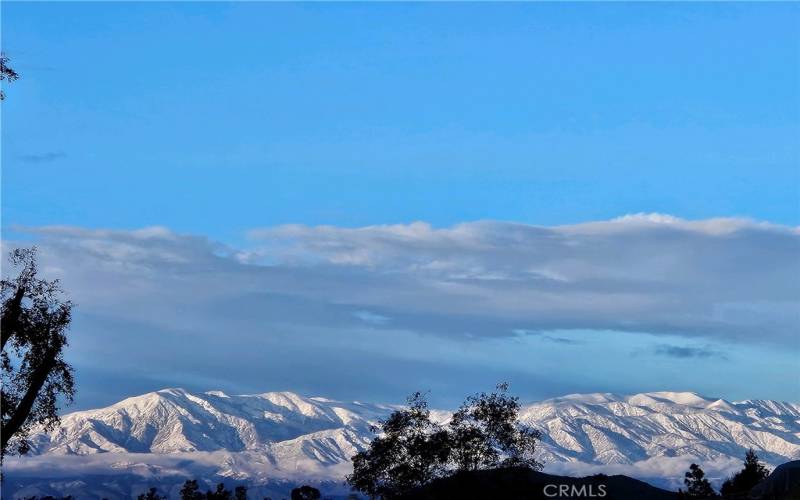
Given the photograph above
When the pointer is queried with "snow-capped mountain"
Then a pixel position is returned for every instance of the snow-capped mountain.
(655, 436)
(175, 420)
(272, 438)
(609, 429)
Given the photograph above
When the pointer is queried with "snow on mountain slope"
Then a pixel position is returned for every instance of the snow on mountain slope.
(284, 436)
(608, 429)
(175, 420)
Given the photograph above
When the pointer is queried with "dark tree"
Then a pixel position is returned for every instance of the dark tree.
(240, 493)
(751, 474)
(152, 494)
(306, 493)
(485, 434)
(697, 486)
(35, 318)
(218, 494)
(411, 451)
(191, 490)
(6, 73)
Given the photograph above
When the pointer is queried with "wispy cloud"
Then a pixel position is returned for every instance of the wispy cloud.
(371, 318)
(562, 340)
(684, 352)
(46, 157)
(549, 338)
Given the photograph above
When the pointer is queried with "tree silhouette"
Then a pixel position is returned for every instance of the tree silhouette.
(152, 494)
(220, 493)
(6, 73)
(411, 450)
(751, 474)
(240, 493)
(191, 490)
(697, 486)
(485, 434)
(409, 453)
(35, 318)
(306, 493)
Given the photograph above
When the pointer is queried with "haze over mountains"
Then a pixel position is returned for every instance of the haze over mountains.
(278, 439)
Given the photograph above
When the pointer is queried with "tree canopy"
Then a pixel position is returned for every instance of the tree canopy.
(485, 434)
(411, 449)
(152, 494)
(6, 73)
(306, 493)
(191, 491)
(752, 473)
(35, 319)
(697, 486)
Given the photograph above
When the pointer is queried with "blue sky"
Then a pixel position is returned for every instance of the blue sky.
(214, 120)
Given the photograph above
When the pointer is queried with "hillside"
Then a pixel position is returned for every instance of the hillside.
(525, 484)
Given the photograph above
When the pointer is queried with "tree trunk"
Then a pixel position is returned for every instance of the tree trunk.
(25, 406)
(10, 322)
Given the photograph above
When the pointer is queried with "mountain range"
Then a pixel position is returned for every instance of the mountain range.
(276, 440)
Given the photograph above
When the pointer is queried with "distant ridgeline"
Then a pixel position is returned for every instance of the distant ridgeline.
(274, 442)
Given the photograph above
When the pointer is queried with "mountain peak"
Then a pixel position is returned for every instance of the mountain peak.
(690, 399)
(173, 391)
(590, 398)
(218, 394)
(687, 399)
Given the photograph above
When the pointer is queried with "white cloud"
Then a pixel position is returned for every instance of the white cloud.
(371, 318)
(663, 471)
(728, 279)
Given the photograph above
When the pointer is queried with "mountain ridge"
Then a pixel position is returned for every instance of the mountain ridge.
(276, 436)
